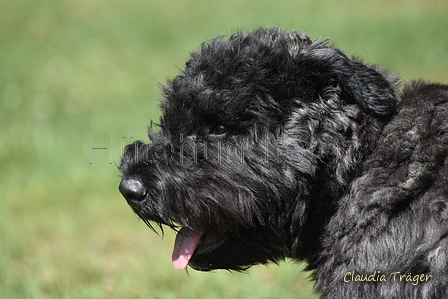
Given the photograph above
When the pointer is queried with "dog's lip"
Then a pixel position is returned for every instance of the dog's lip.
(208, 243)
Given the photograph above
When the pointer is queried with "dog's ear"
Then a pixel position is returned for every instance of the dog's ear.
(371, 88)
(367, 87)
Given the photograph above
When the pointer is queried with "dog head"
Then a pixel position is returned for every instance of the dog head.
(258, 138)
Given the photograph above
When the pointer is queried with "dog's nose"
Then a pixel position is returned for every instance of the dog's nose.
(133, 191)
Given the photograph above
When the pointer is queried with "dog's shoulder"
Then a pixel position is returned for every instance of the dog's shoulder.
(399, 201)
(423, 106)
(418, 93)
(407, 171)
(419, 128)
(411, 156)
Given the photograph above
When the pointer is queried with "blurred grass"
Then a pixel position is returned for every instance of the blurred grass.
(81, 74)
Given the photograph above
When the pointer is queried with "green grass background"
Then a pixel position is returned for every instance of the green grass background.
(78, 74)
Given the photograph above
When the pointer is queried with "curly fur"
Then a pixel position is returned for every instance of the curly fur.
(275, 146)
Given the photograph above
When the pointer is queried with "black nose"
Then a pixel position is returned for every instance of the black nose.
(133, 191)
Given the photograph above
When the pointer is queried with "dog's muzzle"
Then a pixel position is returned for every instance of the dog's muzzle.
(134, 192)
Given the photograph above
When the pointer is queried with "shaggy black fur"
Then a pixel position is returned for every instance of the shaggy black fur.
(274, 146)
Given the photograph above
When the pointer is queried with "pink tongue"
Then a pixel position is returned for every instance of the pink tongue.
(184, 246)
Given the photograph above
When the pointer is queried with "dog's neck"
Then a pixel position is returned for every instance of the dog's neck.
(330, 184)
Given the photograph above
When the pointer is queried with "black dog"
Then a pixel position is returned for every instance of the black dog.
(273, 146)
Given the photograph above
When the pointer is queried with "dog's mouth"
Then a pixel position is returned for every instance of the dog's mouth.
(189, 242)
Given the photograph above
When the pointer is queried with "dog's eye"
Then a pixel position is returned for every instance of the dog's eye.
(218, 129)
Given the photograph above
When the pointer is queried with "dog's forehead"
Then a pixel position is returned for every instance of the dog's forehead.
(240, 78)
(243, 65)
(254, 54)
